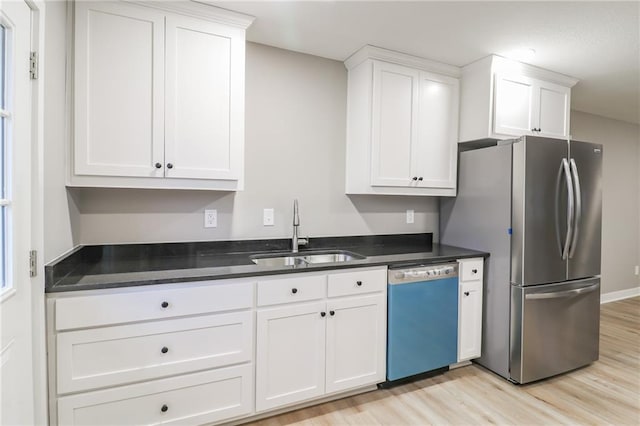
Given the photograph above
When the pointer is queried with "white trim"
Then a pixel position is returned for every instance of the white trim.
(620, 295)
(202, 9)
(39, 353)
(378, 53)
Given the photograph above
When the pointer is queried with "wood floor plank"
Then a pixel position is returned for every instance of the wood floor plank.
(605, 392)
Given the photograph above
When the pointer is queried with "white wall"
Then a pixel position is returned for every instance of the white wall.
(61, 218)
(294, 148)
(620, 196)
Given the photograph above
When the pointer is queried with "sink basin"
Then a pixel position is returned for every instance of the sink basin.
(302, 259)
(342, 256)
(279, 261)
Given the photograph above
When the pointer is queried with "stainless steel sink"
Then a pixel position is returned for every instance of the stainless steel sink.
(303, 259)
(332, 257)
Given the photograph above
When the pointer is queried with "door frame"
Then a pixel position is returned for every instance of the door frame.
(37, 216)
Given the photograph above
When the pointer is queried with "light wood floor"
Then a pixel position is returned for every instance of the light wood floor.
(606, 392)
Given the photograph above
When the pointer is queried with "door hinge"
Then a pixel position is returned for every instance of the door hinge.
(33, 65)
(33, 263)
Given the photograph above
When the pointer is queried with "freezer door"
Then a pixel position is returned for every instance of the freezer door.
(554, 328)
(586, 168)
(539, 211)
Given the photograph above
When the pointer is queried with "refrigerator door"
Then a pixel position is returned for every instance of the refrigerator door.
(554, 328)
(541, 175)
(586, 167)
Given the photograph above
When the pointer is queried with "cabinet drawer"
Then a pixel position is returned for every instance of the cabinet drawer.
(107, 309)
(471, 269)
(356, 282)
(109, 356)
(201, 398)
(297, 288)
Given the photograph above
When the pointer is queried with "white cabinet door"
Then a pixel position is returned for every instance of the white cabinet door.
(395, 94)
(514, 103)
(119, 90)
(356, 343)
(470, 320)
(435, 147)
(204, 99)
(553, 110)
(290, 354)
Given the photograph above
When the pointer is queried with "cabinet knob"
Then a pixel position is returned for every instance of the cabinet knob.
(475, 271)
(332, 313)
(294, 290)
(164, 408)
(358, 283)
(158, 166)
(164, 350)
(420, 178)
(169, 166)
(415, 178)
(165, 304)
(466, 293)
(323, 314)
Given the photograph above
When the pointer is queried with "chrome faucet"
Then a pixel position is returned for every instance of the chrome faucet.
(295, 240)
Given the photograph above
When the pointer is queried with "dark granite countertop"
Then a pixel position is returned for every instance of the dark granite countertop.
(109, 266)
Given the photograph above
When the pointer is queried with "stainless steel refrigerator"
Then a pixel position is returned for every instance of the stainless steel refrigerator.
(535, 205)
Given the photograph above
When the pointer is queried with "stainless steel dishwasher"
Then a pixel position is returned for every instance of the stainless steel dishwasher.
(422, 333)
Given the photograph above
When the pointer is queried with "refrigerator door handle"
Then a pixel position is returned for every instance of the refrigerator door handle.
(570, 209)
(557, 210)
(559, 294)
(578, 214)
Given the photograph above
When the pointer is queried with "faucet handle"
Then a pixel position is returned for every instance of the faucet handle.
(303, 241)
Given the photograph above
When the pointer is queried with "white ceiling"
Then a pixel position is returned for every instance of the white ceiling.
(595, 42)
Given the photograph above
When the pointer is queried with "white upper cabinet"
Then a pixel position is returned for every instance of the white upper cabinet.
(501, 99)
(402, 124)
(159, 103)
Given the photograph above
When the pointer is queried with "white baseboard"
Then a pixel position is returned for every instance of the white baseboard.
(619, 295)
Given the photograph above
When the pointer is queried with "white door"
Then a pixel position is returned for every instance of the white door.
(16, 367)
(204, 99)
(469, 320)
(119, 90)
(514, 97)
(356, 342)
(436, 145)
(394, 128)
(290, 357)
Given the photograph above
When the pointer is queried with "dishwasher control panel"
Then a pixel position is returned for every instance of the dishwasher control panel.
(423, 273)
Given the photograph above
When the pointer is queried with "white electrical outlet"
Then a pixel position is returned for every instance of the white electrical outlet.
(637, 269)
(210, 218)
(410, 216)
(267, 217)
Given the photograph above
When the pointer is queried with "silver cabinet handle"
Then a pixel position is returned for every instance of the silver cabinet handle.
(578, 215)
(570, 209)
(559, 294)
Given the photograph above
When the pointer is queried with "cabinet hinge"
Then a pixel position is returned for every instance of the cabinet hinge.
(33, 65)
(33, 263)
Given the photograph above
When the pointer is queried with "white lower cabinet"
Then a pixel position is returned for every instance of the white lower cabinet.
(198, 398)
(470, 309)
(290, 357)
(356, 342)
(307, 350)
(214, 351)
(175, 353)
